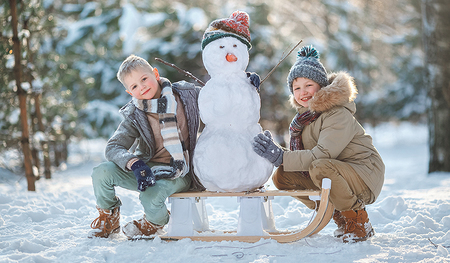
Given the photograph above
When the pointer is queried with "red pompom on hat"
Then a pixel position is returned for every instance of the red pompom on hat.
(237, 25)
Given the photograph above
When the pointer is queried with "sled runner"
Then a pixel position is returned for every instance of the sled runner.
(256, 221)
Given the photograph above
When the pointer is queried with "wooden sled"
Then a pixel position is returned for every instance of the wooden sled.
(256, 221)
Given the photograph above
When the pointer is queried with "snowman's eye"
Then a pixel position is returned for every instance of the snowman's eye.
(234, 45)
(222, 46)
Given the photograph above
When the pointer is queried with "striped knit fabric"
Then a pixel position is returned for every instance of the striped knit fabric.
(296, 128)
(166, 108)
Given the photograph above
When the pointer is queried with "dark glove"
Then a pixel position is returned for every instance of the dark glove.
(264, 145)
(254, 79)
(144, 175)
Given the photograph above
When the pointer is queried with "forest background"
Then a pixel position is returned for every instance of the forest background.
(59, 61)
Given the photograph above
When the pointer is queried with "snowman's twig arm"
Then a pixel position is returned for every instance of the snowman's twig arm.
(186, 73)
(281, 60)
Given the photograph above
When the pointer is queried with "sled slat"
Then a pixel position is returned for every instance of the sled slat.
(248, 194)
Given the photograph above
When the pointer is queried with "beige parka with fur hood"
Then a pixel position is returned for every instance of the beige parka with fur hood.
(336, 134)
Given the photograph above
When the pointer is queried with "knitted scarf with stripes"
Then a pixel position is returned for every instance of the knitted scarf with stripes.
(166, 108)
(299, 122)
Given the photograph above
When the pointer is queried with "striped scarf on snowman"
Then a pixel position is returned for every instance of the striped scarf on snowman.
(166, 108)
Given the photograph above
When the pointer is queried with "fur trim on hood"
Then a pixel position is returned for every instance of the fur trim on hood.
(340, 91)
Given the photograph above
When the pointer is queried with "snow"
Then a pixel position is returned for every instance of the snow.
(132, 23)
(129, 22)
(51, 224)
(229, 106)
(193, 17)
(88, 8)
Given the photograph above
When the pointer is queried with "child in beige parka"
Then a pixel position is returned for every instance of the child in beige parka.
(326, 141)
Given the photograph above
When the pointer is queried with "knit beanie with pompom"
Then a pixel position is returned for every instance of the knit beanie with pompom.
(308, 66)
(237, 25)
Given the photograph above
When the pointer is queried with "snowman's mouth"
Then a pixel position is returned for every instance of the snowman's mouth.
(231, 57)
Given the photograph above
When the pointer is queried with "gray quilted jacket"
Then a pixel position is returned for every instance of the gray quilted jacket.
(134, 137)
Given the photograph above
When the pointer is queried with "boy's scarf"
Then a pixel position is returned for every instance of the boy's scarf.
(296, 128)
(166, 108)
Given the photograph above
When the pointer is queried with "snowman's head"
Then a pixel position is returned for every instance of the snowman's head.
(225, 55)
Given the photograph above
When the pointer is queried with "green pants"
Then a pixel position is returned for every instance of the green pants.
(107, 175)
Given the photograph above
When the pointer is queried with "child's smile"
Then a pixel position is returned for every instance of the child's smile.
(306, 98)
(145, 92)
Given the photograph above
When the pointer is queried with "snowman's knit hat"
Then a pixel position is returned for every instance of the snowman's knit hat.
(235, 26)
(308, 66)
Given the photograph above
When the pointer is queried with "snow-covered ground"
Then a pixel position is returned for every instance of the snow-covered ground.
(51, 224)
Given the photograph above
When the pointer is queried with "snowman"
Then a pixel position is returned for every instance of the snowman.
(229, 105)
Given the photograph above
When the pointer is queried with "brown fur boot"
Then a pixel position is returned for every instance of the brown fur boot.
(357, 226)
(140, 227)
(340, 222)
(106, 223)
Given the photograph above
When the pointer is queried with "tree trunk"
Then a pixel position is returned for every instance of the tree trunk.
(36, 160)
(34, 148)
(436, 38)
(44, 144)
(38, 114)
(25, 141)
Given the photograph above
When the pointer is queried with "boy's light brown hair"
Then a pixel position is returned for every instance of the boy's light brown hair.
(131, 63)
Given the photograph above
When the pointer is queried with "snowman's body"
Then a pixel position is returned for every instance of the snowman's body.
(229, 106)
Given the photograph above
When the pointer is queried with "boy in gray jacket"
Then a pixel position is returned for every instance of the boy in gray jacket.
(151, 150)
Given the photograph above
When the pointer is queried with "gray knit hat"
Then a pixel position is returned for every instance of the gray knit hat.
(308, 66)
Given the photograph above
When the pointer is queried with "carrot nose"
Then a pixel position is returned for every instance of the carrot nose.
(231, 57)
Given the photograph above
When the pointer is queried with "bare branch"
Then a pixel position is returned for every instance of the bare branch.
(281, 60)
(186, 73)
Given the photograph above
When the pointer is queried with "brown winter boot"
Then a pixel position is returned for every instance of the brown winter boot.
(340, 222)
(140, 227)
(106, 223)
(357, 226)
